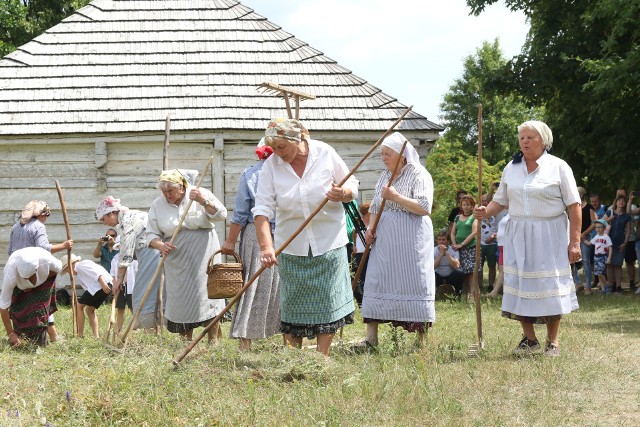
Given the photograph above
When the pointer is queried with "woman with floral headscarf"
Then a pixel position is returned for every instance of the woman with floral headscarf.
(30, 231)
(257, 312)
(539, 242)
(185, 269)
(315, 290)
(400, 275)
(131, 225)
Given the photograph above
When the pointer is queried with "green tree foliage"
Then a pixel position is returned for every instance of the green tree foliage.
(582, 62)
(502, 112)
(453, 169)
(22, 20)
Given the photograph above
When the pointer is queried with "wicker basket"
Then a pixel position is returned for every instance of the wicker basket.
(225, 279)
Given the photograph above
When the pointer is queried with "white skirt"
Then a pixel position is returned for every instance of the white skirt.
(537, 274)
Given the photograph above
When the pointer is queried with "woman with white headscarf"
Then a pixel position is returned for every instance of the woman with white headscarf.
(257, 312)
(539, 242)
(400, 276)
(315, 286)
(27, 297)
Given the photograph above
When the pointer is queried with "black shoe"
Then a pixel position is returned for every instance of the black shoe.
(526, 347)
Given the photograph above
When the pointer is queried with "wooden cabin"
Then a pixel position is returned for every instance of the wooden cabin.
(85, 103)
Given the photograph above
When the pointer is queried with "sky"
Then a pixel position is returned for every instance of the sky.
(411, 49)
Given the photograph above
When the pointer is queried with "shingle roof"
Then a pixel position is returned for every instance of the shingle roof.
(123, 65)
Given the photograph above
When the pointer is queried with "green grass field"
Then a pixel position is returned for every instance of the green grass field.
(595, 382)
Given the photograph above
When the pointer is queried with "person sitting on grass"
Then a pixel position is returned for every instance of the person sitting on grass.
(447, 264)
(601, 243)
(28, 295)
(96, 282)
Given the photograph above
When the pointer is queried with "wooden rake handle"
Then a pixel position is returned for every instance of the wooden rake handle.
(475, 286)
(74, 306)
(215, 320)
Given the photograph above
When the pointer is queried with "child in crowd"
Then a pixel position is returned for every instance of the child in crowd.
(601, 243)
(447, 264)
(463, 239)
(96, 282)
(125, 296)
(488, 246)
(358, 252)
(499, 239)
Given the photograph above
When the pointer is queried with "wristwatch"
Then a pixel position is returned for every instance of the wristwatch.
(205, 203)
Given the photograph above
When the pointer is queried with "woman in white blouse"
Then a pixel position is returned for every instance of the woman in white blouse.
(185, 268)
(315, 290)
(539, 243)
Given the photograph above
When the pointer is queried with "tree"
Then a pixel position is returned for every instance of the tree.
(22, 20)
(582, 62)
(502, 112)
(453, 169)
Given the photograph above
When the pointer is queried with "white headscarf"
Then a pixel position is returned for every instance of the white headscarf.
(395, 142)
(542, 129)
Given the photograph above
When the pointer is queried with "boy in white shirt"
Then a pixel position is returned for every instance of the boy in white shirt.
(601, 243)
(96, 281)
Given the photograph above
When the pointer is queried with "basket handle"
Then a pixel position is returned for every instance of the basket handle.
(210, 264)
(237, 257)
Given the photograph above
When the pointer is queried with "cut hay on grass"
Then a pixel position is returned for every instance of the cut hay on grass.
(595, 382)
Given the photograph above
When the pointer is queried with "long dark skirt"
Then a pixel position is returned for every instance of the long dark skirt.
(30, 310)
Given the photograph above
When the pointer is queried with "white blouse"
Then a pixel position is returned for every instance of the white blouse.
(544, 193)
(164, 217)
(88, 272)
(291, 200)
(46, 263)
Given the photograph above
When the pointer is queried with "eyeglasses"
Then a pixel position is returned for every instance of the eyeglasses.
(112, 235)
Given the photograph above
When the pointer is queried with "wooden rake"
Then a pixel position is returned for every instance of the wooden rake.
(286, 93)
(475, 349)
(193, 343)
(74, 304)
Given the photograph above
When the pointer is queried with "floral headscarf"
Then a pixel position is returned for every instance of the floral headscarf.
(290, 129)
(107, 205)
(33, 209)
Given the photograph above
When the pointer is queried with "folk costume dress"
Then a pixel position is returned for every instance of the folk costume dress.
(132, 225)
(30, 232)
(538, 286)
(315, 285)
(185, 269)
(400, 276)
(258, 311)
(131, 228)
(30, 305)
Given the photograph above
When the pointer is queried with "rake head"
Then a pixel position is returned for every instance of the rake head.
(475, 349)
